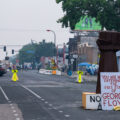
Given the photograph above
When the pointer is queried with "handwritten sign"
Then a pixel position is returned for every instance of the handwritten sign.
(91, 100)
(110, 90)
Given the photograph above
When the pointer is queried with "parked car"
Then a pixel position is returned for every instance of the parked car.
(2, 70)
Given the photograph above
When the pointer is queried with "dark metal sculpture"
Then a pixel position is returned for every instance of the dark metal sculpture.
(109, 44)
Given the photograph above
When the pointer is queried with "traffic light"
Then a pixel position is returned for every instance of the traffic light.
(6, 58)
(12, 51)
(4, 48)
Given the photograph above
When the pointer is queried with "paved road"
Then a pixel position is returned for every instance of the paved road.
(45, 97)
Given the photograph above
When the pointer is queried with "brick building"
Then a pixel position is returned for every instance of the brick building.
(87, 53)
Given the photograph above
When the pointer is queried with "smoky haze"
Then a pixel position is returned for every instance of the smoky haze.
(23, 20)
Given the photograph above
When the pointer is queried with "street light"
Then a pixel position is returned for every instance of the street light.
(54, 38)
(54, 35)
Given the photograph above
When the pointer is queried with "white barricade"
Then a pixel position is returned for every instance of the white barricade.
(58, 72)
(42, 71)
(49, 72)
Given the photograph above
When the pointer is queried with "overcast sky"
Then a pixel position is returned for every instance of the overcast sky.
(23, 20)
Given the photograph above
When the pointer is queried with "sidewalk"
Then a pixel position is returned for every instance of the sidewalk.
(86, 78)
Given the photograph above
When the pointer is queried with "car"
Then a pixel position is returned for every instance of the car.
(2, 70)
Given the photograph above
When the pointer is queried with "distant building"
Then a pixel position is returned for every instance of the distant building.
(83, 48)
(87, 53)
(73, 52)
(87, 48)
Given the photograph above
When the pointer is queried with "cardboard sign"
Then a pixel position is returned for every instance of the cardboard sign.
(110, 89)
(91, 100)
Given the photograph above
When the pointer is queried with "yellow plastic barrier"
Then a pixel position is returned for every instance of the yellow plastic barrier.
(79, 79)
(14, 77)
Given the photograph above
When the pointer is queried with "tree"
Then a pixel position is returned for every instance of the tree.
(25, 55)
(45, 49)
(33, 52)
(107, 12)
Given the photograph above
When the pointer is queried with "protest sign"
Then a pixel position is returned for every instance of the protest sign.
(91, 100)
(110, 90)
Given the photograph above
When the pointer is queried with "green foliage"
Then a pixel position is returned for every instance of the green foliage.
(107, 12)
(39, 50)
(24, 56)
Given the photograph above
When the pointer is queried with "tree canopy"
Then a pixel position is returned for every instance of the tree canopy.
(33, 52)
(107, 12)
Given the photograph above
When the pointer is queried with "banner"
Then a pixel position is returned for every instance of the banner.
(110, 90)
(88, 23)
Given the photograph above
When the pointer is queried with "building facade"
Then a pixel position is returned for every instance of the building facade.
(83, 46)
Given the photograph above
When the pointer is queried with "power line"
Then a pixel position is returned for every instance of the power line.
(28, 30)
(12, 45)
(20, 30)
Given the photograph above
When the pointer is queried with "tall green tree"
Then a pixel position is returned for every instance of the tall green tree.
(107, 12)
(45, 49)
(25, 55)
(33, 52)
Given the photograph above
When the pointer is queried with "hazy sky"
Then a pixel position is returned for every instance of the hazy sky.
(23, 20)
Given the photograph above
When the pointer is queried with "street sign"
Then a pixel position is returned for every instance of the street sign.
(30, 51)
(75, 56)
(110, 90)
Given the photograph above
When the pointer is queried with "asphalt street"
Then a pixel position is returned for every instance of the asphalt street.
(46, 97)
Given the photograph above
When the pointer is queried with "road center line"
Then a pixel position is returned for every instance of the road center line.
(5, 95)
(16, 114)
(17, 118)
(14, 111)
(67, 115)
(60, 111)
(31, 91)
(13, 107)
